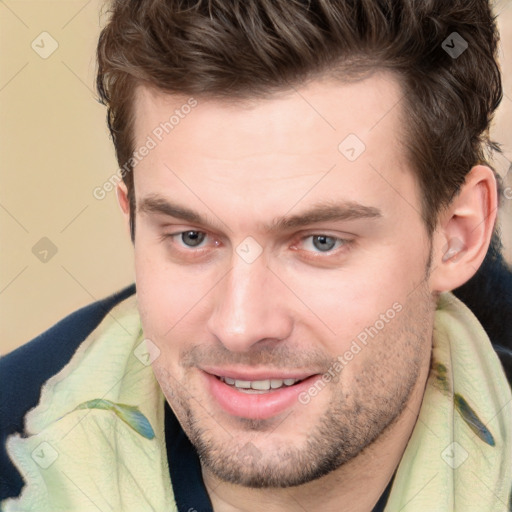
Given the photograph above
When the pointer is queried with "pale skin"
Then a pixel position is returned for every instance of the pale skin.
(300, 304)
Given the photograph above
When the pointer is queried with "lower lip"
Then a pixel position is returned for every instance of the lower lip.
(256, 406)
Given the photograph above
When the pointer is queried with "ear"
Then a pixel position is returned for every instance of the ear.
(464, 231)
(124, 202)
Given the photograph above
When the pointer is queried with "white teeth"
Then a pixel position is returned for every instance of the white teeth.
(245, 384)
(259, 385)
(262, 385)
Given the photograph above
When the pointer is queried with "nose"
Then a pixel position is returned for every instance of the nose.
(249, 307)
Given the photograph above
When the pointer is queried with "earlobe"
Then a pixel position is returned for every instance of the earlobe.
(464, 231)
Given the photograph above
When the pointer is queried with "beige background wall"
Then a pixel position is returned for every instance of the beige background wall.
(55, 149)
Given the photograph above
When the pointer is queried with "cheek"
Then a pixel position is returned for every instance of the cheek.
(171, 299)
(163, 289)
(368, 293)
(152, 291)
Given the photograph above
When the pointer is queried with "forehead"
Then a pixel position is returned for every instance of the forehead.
(278, 146)
(328, 106)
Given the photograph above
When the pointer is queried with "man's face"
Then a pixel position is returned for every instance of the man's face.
(287, 251)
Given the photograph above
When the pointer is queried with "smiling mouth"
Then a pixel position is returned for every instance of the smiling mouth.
(258, 386)
(258, 395)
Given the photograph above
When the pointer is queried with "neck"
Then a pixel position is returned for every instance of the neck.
(357, 484)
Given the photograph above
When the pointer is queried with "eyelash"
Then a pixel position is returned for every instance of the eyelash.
(345, 244)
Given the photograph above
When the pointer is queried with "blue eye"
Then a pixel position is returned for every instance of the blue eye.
(322, 243)
(192, 238)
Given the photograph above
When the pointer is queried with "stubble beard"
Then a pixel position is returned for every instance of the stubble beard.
(353, 419)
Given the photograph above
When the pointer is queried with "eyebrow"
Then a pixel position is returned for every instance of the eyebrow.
(325, 212)
(321, 212)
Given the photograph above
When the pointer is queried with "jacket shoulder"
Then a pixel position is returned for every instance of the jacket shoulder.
(489, 296)
(24, 371)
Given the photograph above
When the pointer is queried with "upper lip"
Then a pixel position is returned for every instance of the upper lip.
(252, 374)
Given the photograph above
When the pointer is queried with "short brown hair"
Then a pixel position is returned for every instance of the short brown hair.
(242, 49)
